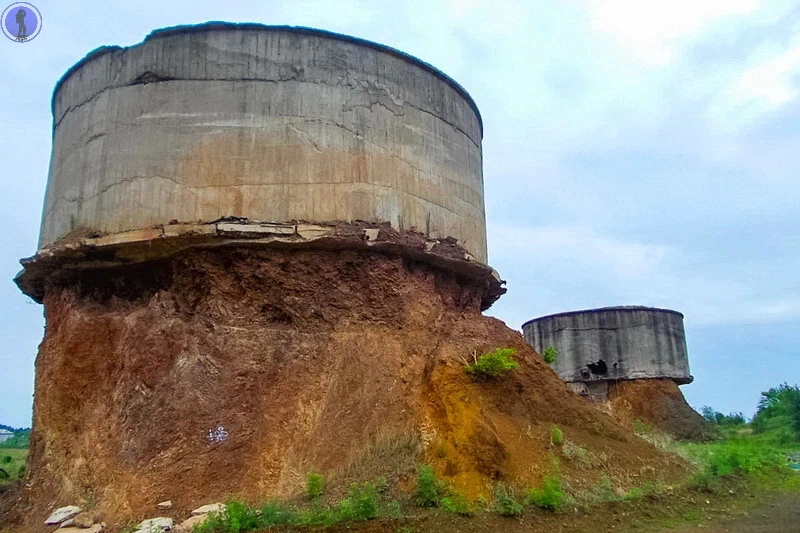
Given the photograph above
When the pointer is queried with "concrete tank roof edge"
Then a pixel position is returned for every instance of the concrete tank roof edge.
(221, 25)
(604, 309)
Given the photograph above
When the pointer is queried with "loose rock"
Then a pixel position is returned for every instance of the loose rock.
(165, 505)
(84, 520)
(187, 526)
(61, 514)
(96, 528)
(210, 508)
(152, 525)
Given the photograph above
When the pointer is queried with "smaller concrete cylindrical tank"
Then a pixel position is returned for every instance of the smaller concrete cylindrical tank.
(613, 343)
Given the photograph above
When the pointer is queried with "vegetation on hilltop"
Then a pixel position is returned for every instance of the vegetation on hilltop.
(20, 441)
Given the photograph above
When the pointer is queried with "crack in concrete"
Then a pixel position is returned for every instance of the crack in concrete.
(280, 79)
(94, 137)
(193, 188)
(304, 135)
(615, 328)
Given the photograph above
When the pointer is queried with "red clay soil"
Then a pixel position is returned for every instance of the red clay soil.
(348, 363)
(659, 403)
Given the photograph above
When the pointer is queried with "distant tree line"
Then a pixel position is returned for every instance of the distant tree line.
(720, 419)
(21, 438)
(13, 429)
(778, 414)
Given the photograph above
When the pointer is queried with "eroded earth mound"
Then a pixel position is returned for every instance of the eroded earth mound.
(233, 371)
(659, 403)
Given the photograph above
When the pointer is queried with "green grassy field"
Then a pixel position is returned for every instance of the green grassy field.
(12, 464)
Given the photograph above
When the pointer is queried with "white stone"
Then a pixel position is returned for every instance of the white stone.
(61, 514)
(210, 508)
(187, 526)
(165, 505)
(372, 233)
(96, 528)
(155, 525)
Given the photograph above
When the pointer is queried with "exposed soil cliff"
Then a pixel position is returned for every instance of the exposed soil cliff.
(658, 402)
(345, 362)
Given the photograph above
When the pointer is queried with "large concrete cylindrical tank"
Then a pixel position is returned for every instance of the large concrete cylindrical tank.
(253, 240)
(267, 123)
(613, 343)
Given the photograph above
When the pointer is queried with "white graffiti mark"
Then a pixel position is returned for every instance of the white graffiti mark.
(218, 435)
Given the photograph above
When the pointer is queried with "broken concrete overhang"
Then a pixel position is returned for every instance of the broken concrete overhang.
(80, 253)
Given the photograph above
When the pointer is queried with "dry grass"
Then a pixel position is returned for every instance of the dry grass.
(388, 455)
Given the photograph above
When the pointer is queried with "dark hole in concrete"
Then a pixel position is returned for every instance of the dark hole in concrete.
(600, 368)
(149, 77)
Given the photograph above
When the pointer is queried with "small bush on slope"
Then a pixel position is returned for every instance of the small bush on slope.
(494, 364)
(456, 503)
(314, 485)
(556, 435)
(551, 494)
(550, 355)
(504, 501)
(429, 489)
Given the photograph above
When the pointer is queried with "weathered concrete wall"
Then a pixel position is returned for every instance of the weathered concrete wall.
(614, 343)
(268, 123)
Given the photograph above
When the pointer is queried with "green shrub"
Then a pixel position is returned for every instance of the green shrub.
(394, 509)
(504, 501)
(318, 516)
(706, 481)
(494, 364)
(635, 493)
(362, 503)
(276, 513)
(456, 503)
(556, 435)
(573, 452)
(7, 459)
(604, 492)
(314, 485)
(429, 489)
(550, 355)
(551, 494)
(237, 517)
(742, 458)
(738, 457)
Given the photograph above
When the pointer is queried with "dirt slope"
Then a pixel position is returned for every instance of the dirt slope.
(349, 363)
(658, 402)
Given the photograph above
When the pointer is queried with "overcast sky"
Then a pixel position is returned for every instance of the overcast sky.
(635, 152)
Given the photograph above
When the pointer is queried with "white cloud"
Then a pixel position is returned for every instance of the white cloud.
(622, 259)
(653, 30)
(770, 84)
